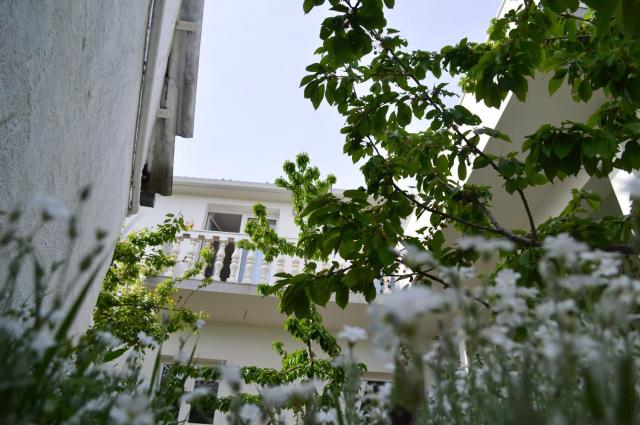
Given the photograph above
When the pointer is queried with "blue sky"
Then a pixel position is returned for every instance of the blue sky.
(251, 115)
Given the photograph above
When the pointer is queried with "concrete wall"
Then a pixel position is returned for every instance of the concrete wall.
(70, 74)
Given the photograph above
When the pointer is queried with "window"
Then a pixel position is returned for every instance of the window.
(193, 414)
(232, 222)
(203, 414)
(224, 222)
(370, 388)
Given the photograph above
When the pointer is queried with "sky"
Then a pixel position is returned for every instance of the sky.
(251, 115)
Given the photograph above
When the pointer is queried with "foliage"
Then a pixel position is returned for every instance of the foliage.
(543, 320)
(52, 374)
(304, 183)
(400, 127)
(128, 306)
(566, 356)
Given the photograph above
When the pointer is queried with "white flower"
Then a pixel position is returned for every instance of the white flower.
(483, 245)
(275, 397)
(231, 374)
(108, 339)
(50, 207)
(251, 414)
(130, 410)
(304, 388)
(415, 256)
(11, 326)
(405, 306)
(498, 336)
(457, 274)
(353, 334)
(200, 323)
(545, 310)
(563, 247)
(194, 395)
(325, 417)
(146, 340)
(507, 278)
(42, 341)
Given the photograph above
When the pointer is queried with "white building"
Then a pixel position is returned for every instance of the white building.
(242, 324)
(93, 93)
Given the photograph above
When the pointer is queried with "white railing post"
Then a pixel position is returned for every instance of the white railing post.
(248, 269)
(174, 252)
(280, 265)
(189, 258)
(217, 268)
(264, 271)
(203, 244)
(295, 265)
(234, 267)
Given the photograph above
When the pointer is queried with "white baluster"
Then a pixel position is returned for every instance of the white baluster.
(217, 268)
(248, 269)
(295, 265)
(234, 267)
(264, 271)
(178, 269)
(203, 245)
(173, 252)
(280, 263)
(191, 254)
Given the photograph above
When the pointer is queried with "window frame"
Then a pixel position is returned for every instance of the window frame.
(185, 408)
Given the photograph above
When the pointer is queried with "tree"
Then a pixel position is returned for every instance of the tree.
(365, 71)
(304, 182)
(128, 306)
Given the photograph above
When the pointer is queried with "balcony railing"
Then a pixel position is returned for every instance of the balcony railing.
(231, 263)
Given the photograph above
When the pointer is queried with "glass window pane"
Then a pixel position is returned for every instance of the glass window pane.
(199, 414)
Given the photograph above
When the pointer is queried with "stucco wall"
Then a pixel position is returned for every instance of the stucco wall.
(70, 76)
(194, 208)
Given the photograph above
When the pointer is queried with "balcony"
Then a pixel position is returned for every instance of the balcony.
(230, 263)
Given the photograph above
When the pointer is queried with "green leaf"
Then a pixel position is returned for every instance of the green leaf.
(442, 164)
(404, 114)
(493, 133)
(317, 97)
(386, 255)
(356, 195)
(556, 81)
(627, 17)
(342, 296)
(462, 170)
(561, 148)
(308, 5)
(389, 3)
(114, 354)
(480, 162)
(321, 292)
(342, 50)
(584, 90)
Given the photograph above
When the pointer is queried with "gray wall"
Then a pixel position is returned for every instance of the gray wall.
(70, 75)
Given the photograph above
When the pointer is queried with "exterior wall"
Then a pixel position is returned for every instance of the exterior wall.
(194, 209)
(248, 345)
(70, 74)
